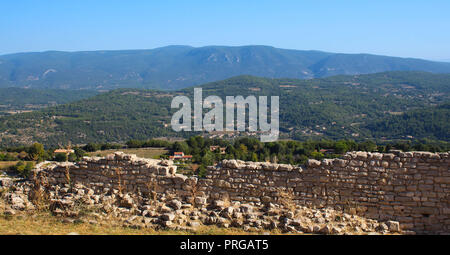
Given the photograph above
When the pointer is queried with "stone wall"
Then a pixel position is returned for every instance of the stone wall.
(410, 187)
(120, 171)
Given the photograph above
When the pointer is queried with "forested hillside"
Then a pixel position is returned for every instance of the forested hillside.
(432, 120)
(14, 100)
(395, 105)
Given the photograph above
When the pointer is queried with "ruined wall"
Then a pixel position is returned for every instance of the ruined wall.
(410, 187)
(120, 171)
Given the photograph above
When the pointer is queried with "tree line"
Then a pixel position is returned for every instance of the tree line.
(248, 149)
(290, 152)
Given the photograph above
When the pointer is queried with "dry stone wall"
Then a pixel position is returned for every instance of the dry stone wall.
(119, 171)
(410, 187)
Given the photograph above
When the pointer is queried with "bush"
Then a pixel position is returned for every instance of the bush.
(22, 168)
(109, 146)
(201, 171)
(80, 153)
(7, 157)
(61, 157)
(91, 147)
(135, 144)
(72, 157)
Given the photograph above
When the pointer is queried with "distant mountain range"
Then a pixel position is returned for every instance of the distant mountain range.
(175, 67)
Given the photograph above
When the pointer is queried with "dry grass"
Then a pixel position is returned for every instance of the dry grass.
(286, 198)
(152, 189)
(37, 195)
(140, 152)
(118, 173)
(6, 164)
(226, 200)
(46, 224)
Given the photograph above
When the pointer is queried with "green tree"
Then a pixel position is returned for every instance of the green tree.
(208, 159)
(72, 157)
(201, 171)
(79, 153)
(36, 152)
(341, 147)
(91, 147)
(22, 168)
(61, 157)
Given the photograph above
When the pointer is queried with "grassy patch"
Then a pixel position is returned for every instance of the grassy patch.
(6, 164)
(46, 224)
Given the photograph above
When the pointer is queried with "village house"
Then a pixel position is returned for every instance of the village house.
(222, 150)
(180, 156)
(64, 151)
(327, 151)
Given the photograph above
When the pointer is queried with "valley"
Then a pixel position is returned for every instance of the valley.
(382, 106)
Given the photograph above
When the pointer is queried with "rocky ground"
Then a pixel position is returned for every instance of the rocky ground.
(164, 211)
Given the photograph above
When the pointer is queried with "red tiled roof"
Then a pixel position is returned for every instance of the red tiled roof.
(63, 151)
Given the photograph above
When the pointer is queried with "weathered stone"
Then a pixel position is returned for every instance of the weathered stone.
(313, 163)
(219, 203)
(394, 226)
(175, 204)
(165, 209)
(246, 208)
(168, 217)
(126, 201)
(6, 182)
(200, 200)
(194, 224)
(9, 212)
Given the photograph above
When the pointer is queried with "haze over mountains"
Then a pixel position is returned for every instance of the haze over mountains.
(175, 67)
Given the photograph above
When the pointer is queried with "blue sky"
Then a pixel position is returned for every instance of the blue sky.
(396, 28)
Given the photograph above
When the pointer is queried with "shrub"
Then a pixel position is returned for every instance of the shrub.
(91, 147)
(72, 157)
(61, 157)
(202, 171)
(22, 168)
